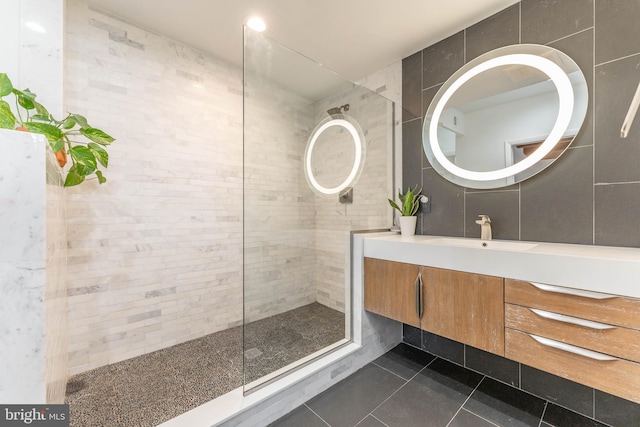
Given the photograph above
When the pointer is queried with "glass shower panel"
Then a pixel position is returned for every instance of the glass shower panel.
(296, 234)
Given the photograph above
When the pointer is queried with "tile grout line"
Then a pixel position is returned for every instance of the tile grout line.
(381, 422)
(615, 183)
(593, 129)
(520, 23)
(465, 401)
(544, 411)
(614, 60)
(570, 35)
(314, 413)
(391, 372)
(374, 417)
(397, 390)
(481, 417)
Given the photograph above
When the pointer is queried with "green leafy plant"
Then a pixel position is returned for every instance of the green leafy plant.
(61, 134)
(409, 201)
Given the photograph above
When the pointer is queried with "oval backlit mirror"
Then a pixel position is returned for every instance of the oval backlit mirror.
(505, 116)
(334, 155)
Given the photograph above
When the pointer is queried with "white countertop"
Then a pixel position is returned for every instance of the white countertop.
(606, 269)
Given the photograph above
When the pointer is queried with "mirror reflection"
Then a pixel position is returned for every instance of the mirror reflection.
(503, 114)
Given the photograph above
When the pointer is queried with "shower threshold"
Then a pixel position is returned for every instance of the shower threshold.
(229, 408)
(298, 364)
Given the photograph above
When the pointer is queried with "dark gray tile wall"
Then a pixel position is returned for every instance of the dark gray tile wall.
(441, 60)
(501, 29)
(591, 195)
(544, 21)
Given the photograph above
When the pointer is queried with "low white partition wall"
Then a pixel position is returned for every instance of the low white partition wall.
(33, 326)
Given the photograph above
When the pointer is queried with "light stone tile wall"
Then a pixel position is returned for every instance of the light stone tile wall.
(279, 251)
(388, 82)
(294, 240)
(370, 105)
(155, 254)
(33, 353)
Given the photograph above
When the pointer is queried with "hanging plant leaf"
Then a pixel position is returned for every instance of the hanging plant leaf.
(69, 122)
(26, 98)
(5, 85)
(85, 156)
(7, 119)
(57, 146)
(73, 177)
(100, 153)
(85, 160)
(96, 135)
(101, 178)
(79, 120)
(52, 133)
(84, 170)
(42, 111)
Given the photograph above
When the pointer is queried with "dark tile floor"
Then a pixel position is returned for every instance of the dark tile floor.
(410, 388)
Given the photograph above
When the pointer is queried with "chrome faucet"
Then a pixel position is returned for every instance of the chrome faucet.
(485, 227)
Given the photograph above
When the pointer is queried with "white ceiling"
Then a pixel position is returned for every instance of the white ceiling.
(352, 37)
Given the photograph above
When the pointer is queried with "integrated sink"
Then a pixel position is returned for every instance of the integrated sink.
(504, 245)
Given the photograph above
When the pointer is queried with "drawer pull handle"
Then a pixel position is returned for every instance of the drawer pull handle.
(573, 349)
(418, 285)
(572, 320)
(574, 292)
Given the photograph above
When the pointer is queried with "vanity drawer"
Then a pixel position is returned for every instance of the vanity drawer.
(604, 308)
(601, 337)
(615, 376)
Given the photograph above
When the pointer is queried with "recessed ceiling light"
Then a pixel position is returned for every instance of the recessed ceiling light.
(35, 27)
(257, 24)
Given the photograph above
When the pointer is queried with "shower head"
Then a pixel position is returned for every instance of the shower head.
(337, 110)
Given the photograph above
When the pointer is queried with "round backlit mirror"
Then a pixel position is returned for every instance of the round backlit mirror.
(505, 116)
(334, 156)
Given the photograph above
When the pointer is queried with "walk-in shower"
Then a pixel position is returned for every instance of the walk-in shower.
(207, 264)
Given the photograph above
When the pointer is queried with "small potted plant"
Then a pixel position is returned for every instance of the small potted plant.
(409, 204)
(31, 116)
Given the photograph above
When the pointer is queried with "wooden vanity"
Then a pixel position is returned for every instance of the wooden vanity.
(464, 307)
(585, 335)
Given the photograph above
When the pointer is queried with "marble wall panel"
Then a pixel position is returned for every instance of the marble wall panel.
(33, 349)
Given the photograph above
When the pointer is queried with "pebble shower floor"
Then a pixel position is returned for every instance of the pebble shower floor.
(152, 388)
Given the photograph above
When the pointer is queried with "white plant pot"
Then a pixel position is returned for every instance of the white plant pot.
(408, 225)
